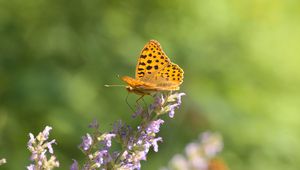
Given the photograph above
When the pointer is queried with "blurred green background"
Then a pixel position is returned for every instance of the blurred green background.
(241, 62)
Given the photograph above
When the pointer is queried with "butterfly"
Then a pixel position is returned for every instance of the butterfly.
(154, 72)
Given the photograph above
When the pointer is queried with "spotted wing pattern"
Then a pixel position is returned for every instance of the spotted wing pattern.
(151, 60)
(155, 71)
(170, 77)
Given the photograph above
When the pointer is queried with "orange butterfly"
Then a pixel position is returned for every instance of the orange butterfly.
(154, 72)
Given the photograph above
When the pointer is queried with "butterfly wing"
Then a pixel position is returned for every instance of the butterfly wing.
(155, 68)
(151, 60)
(169, 78)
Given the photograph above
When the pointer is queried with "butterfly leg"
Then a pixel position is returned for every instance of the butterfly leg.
(126, 100)
(137, 105)
(140, 98)
(145, 103)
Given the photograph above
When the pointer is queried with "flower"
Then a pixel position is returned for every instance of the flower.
(178, 162)
(45, 134)
(31, 167)
(158, 103)
(39, 148)
(87, 141)
(138, 147)
(49, 146)
(2, 161)
(154, 143)
(154, 126)
(212, 143)
(135, 142)
(172, 110)
(176, 100)
(199, 154)
(100, 156)
(74, 166)
(122, 130)
(138, 112)
(106, 138)
(94, 124)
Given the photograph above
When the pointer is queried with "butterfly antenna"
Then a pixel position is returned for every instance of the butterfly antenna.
(114, 85)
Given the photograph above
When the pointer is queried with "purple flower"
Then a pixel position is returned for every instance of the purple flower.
(106, 138)
(176, 97)
(102, 157)
(46, 131)
(135, 142)
(31, 167)
(176, 100)
(31, 140)
(179, 97)
(117, 126)
(38, 146)
(131, 166)
(94, 124)
(154, 126)
(121, 130)
(138, 112)
(45, 134)
(74, 166)
(199, 154)
(172, 110)
(49, 145)
(154, 143)
(212, 143)
(158, 103)
(87, 141)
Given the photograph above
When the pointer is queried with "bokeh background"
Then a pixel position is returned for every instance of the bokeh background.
(241, 62)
